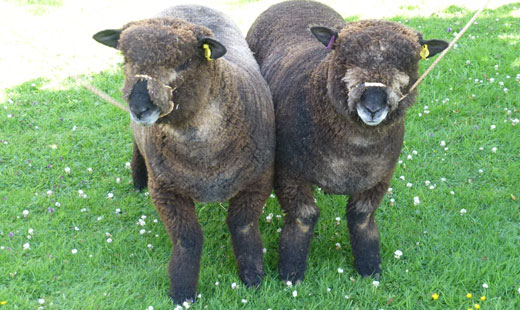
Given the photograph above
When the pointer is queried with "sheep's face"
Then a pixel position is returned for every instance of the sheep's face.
(373, 64)
(163, 57)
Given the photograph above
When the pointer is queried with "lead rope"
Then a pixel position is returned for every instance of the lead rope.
(100, 93)
(414, 86)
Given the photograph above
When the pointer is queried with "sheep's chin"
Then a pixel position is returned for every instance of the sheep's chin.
(147, 121)
(368, 119)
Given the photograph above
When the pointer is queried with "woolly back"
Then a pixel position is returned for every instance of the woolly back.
(287, 25)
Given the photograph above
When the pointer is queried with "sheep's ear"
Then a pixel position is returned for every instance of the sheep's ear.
(109, 37)
(212, 48)
(325, 35)
(432, 47)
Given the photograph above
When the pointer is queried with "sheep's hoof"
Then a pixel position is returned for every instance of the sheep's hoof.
(140, 185)
(252, 278)
(289, 273)
(179, 298)
(367, 270)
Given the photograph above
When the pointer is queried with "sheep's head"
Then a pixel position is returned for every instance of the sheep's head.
(373, 63)
(163, 56)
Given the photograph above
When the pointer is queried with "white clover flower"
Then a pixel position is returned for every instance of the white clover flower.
(41, 301)
(288, 283)
(74, 251)
(375, 283)
(493, 127)
(244, 301)
(401, 177)
(109, 240)
(398, 254)
(294, 293)
(142, 231)
(57, 204)
(443, 143)
(409, 157)
(390, 190)
(90, 170)
(110, 195)
(31, 231)
(127, 165)
(118, 180)
(186, 305)
(485, 285)
(80, 193)
(49, 193)
(427, 182)
(233, 286)
(25, 213)
(150, 247)
(67, 170)
(409, 185)
(118, 211)
(338, 245)
(340, 270)
(26, 246)
(463, 211)
(494, 150)
(443, 179)
(416, 201)
(150, 308)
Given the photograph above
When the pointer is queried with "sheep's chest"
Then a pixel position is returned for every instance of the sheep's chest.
(356, 168)
(198, 159)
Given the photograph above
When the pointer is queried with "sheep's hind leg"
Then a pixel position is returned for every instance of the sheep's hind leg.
(139, 172)
(242, 220)
(364, 235)
(180, 219)
(297, 201)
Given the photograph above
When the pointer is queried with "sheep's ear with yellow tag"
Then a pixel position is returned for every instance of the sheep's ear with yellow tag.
(432, 47)
(211, 48)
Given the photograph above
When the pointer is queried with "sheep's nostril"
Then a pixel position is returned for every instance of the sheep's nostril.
(139, 114)
(374, 100)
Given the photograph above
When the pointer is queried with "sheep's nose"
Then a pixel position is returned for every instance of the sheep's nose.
(139, 100)
(374, 99)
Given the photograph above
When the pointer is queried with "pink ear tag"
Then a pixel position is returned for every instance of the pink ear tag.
(332, 39)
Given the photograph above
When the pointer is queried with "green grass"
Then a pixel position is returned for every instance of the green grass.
(444, 252)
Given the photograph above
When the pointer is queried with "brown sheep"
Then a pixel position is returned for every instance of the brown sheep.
(339, 120)
(203, 130)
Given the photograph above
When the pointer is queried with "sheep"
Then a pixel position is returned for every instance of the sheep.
(337, 90)
(203, 130)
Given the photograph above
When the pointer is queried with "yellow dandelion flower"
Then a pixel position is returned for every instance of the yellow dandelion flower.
(477, 306)
(3, 302)
(469, 295)
(435, 296)
(483, 298)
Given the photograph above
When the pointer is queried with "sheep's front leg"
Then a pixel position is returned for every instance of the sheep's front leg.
(139, 172)
(180, 219)
(242, 220)
(364, 235)
(297, 200)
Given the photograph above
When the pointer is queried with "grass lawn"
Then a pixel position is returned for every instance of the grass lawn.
(74, 234)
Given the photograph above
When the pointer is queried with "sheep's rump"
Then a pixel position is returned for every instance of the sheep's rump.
(224, 29)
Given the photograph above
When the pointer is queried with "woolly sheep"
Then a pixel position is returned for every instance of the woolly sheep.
(336, 88)
(203, 130)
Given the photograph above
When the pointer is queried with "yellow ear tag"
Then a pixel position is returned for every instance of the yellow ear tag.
(424, 52)
(207, 52)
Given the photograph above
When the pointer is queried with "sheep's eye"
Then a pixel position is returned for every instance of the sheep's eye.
(184, 66)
